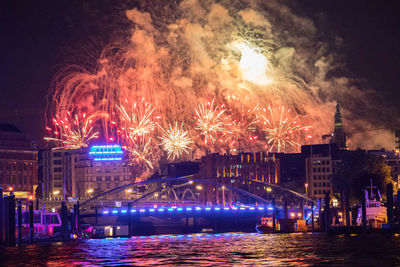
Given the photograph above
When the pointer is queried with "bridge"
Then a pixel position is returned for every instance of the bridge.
(191, 205)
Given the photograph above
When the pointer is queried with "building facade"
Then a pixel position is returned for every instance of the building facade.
(319, 176)
(83, 173)
(18, 163)
(259, 166)
(321, 161)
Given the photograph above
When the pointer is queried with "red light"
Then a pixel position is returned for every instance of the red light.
(30, 197)
(10, 188)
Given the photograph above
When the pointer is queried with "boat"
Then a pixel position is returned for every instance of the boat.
(376, 213)
(44, 222)
(266, 226)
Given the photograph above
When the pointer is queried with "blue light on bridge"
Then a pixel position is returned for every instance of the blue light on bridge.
(189, 209)
(106, 153)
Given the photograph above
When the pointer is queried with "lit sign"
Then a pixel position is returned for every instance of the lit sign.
(106, 152)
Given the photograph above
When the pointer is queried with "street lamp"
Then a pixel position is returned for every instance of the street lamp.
(90, 191)
(198, 187)
(269, 189)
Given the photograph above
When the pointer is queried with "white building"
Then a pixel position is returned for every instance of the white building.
(82, 173)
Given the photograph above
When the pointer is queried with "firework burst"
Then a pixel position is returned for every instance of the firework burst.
(175, 141)
(74, 132)
(282, 129)
(243, 121)
(210, 121)
(141, 153)
(138, 120)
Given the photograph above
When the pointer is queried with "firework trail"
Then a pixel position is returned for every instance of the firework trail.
(242, 123)
(138, 121)
(210, 122)
(180, 54)
(74, 132)
(282, 130)
(175, 141)
(136, 126)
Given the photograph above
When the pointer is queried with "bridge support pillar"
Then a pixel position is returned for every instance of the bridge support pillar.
(285, 208)
(31, 222)
(273, 215)
(327, 212)
(95, 216)
(1, 217)
(19, 222)
(312, 216)
(9, 219)
(64, 220)
(129, 220)
(301, 209)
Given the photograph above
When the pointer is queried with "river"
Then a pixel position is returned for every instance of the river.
(212, 250)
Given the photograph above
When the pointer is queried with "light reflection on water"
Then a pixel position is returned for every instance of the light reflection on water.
(212, 249)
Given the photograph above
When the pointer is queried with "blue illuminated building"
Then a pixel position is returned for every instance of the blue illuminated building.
(106, 152)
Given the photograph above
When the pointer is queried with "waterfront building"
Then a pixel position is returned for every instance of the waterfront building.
(18, 162)
(293, 171)
(258, 166)
(82, 173)
(320, 162)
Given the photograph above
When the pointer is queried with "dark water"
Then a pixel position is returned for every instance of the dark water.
(213, 250)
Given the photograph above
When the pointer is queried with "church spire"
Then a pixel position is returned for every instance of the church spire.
(339, 135)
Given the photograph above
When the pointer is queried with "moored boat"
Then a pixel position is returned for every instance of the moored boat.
(266, 226)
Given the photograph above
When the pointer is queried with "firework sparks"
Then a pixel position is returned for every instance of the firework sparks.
(243, 120)
(282, 130)
(74, 132)
(175, 141)
(141, 153)
(138, 121)
(210, 121)
(167, 62)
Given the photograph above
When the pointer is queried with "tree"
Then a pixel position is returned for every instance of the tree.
(355, 171)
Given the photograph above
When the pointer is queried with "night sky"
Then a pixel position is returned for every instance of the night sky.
(38, 37)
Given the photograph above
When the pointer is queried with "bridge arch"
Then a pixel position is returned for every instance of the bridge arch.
(202, 181)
